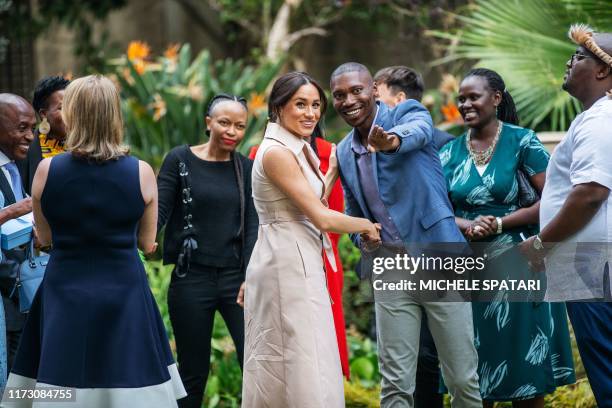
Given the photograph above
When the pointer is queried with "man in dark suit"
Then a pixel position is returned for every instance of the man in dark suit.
(17, 120)
(398, 83)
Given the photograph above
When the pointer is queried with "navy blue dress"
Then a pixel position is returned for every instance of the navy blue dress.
(94, 324)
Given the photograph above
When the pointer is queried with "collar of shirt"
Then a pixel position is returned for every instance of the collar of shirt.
(599, 102)
(293, 143)
(577, 122)
(282, 135)
(4, 159)
(356, 145)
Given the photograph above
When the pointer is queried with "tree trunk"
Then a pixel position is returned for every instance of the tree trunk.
(280, 29)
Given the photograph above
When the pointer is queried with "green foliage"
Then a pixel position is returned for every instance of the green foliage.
(5, 5)
(79, 16)
(159, 275)
(72, 12)
(363, 360)
(526, 42)
(256, 17)
(225, 379)
(224, 385)
(358, 396)
(164, 102)
(357, 294)
(578, 395)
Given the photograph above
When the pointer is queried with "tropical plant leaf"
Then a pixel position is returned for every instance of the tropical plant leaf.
(525, 41)
(164, 100)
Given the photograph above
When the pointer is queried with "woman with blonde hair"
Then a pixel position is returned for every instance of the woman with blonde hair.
(94, 326)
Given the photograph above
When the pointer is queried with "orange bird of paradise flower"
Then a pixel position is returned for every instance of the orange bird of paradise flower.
(137, 53)
(451, 113)
(172, 51)
(256, 102)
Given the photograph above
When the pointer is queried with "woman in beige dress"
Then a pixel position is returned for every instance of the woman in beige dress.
(291, 355)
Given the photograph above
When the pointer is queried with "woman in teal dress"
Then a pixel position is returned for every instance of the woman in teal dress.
(523, 348)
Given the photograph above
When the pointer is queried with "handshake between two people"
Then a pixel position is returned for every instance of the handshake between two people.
(370, 241)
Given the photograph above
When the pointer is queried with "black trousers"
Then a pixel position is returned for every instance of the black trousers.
(192, 303)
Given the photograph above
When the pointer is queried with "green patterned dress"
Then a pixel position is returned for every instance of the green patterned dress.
(523, 348)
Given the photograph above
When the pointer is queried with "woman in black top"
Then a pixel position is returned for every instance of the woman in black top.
(211, 226)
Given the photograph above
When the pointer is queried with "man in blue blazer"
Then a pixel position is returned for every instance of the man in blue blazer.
(398, 83)
(392, 175)
(395, 85)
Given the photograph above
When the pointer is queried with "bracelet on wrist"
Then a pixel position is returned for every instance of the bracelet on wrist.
(499, 225)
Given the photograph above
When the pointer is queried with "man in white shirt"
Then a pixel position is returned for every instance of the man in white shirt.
(576, 211)
(17, 120)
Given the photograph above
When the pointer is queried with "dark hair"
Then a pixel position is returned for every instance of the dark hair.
(400, 78)
(45, 88)
(349, 67)
(285, 87)
(506, 111)
(222, 97)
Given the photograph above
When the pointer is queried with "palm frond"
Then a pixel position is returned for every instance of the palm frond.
(525, 41)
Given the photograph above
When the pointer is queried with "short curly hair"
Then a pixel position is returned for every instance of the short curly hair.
(45, 88)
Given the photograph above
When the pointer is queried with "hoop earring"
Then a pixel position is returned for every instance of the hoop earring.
(44, 127)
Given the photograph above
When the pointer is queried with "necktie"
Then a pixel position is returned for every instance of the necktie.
(11, 167)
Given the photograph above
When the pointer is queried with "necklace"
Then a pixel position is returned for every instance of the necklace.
(482, 157)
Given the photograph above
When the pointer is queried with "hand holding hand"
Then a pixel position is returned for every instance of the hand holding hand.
(482, 227)
(381, 141)
(371, 239)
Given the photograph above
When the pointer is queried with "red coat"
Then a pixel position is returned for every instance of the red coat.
(335, 280)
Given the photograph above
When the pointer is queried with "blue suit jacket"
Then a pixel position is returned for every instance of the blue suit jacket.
(410, 181)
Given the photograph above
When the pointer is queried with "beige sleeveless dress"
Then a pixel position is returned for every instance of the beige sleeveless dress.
(291, 354)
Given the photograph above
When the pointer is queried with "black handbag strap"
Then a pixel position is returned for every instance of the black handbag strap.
(238, 170)
(189, 243)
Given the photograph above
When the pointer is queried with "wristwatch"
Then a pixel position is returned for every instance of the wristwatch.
(538, 245)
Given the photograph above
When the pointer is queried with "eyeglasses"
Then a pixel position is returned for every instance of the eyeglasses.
(579, 57)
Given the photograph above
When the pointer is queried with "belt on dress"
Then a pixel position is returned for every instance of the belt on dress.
(287, 216)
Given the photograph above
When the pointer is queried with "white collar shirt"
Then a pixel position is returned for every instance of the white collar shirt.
(575, 267)
(3, 161)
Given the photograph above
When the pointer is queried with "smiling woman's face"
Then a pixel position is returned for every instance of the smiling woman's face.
(302, 112)
(477, 102)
